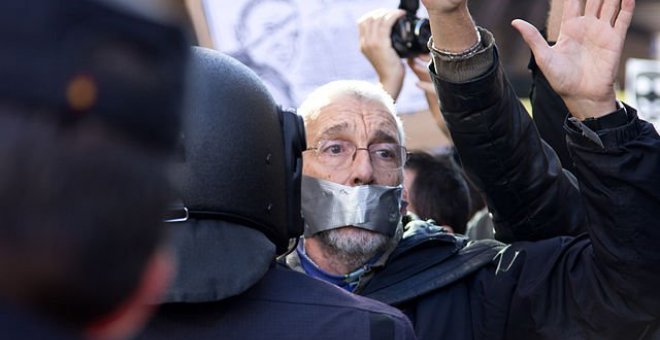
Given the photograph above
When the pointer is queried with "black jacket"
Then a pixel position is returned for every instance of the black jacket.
(600, 285)
(283, 305)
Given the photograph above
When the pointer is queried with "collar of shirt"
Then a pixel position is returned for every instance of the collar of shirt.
(348, 282)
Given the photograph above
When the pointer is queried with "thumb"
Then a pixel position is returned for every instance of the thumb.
(532, 37)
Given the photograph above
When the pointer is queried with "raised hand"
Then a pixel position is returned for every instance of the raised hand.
(581, 67)
(419, 66)
(376, 45)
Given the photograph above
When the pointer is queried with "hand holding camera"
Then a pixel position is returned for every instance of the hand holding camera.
(381, 32)
(387, 35)
(375, 29)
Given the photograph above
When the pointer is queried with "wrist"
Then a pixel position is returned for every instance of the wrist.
(465, 54)
(448, 10)
(455, 32)
(392, 86)
(587, 108)
(612, 120)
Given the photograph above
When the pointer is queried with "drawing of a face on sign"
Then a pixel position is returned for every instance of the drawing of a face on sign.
(268, 34)
(647, 90)
(269, 31)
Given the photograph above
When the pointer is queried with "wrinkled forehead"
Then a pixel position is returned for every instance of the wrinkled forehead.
(346, 116)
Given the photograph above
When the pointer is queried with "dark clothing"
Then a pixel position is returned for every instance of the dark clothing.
(600, 285)
(283, 305)
(425, 275)
(426, 259)
(19, 324)
(549, 113)
(502, 154)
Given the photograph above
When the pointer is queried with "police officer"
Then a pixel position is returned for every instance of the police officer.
(89, 110)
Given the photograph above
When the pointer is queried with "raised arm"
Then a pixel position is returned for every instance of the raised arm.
(375, 29)
(500, 149)
(601, 285)
(616, 155)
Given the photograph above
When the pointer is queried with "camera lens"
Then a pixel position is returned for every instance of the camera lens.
(410, 34)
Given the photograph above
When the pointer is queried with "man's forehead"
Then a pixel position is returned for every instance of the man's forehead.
(379, 123)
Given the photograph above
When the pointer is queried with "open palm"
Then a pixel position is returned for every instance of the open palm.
(581, 67)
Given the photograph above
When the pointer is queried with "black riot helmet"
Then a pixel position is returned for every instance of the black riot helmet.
(242, 154)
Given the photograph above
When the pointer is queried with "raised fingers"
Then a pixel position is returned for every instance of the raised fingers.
(572, 9)
(375, 26)
(420, 66)
(625, 17)
(610, 10)
(392, 16)
(592, 8)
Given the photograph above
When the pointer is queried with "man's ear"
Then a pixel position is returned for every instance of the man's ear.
(133, 313)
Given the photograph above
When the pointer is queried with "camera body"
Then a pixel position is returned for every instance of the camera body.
(410, 34)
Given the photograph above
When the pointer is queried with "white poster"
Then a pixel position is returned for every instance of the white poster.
(298, 45)
(643, 89)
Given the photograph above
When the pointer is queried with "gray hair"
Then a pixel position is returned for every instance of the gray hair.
(362, 90)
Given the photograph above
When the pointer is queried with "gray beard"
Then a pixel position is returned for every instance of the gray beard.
(354, 246)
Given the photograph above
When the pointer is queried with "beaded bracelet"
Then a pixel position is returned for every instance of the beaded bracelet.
(474, 49)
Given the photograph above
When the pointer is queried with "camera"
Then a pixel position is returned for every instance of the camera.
(410, 34)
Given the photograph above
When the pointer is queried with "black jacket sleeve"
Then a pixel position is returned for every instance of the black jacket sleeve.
(620, 179)
(549, 112)
(500, 149)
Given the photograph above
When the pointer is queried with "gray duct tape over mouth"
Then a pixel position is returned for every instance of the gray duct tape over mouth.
(327, 205)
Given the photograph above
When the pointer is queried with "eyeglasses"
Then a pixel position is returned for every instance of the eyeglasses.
(338, 154)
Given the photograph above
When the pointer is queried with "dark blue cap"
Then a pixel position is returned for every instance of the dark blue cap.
(81, 59)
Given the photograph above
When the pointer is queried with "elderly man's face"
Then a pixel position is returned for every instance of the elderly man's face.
(346, 120)
(362, 123)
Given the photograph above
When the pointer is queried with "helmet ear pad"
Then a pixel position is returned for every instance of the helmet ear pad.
(293, 129)
(243, 153)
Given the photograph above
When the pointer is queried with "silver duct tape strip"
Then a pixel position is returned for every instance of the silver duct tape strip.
(328, 205)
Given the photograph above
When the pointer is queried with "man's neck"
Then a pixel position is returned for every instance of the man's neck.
(318, 253)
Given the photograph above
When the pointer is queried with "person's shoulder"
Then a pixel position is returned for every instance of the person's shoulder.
(428, 259)
(287, 286)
